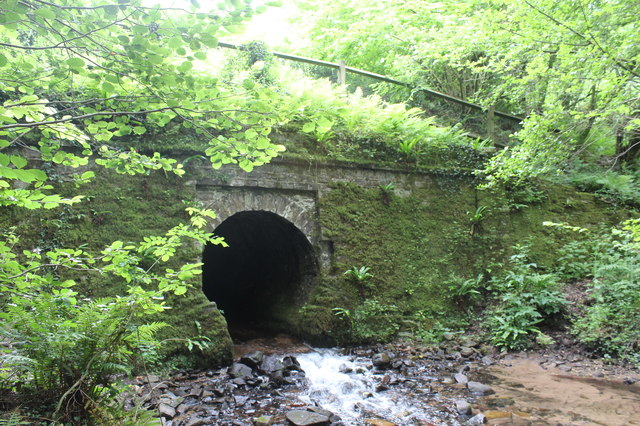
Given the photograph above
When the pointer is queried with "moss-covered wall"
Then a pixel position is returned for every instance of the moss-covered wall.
(128, 208)
(415, 239)
(418, 243)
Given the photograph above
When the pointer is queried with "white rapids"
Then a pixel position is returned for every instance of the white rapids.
(347, 387)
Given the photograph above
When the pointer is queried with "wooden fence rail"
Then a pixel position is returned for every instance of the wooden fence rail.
(343, 69)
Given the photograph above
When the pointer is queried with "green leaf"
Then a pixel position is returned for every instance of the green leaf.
(111, 10)
(18, 161)
(248, 84)
(155, 59)
(185, 66)
(108, 87)
(45, 13)
(209, 40)
(3, 60)
(75, 62)
(175, 42)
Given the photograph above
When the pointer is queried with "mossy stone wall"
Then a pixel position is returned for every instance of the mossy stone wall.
(412, 229)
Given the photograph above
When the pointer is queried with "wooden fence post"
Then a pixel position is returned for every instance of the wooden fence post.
(342, 73)
(491, 123)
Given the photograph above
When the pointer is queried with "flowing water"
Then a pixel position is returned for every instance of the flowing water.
(529, 389)
(349, 387)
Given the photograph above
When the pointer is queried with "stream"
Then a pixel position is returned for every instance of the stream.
(278, 381)
(350, 388)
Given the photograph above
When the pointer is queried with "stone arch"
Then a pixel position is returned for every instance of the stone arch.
(298, 207)
(265, 273)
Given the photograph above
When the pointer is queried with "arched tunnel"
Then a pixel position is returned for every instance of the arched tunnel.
(265, 271)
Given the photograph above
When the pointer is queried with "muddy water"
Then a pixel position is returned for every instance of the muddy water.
(276, 344)
(526, 390)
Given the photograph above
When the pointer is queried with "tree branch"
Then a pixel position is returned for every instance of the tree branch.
(590, 39)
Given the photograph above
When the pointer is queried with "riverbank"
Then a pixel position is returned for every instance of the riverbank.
(274, 380)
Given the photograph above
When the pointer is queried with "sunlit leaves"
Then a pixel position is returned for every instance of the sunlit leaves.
(571, 66)
(141, 65)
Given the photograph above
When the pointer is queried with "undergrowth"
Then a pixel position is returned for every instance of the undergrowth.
(522, 299)
(610, 264)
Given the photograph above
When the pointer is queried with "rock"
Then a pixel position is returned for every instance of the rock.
(565, 341)
(461, 378)
(240, 400)
(455, 355)
(238, 371)
(463, 407)
(252, 359)
(378, 422)
(487, 360)
(319, 410)
(477, 388)
(381, 388)
(477, 420)
(306, 418)
(196, 421)
(493, 415)
(466, 351)
(262, 421)
(151, 378)
(397, 364)
(381, 360)
(345, 369)
(629, 380)
(472, 343)
(448, 336)
(291, 363)
(499, 402)
(564, 368)
(270, 364)
(278, 378)
(166, 410)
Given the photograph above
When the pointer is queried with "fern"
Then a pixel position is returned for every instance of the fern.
(14, 419)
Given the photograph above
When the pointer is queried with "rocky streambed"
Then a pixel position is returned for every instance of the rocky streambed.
(390, 385)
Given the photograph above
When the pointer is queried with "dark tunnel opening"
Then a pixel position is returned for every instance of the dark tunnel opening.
(264, 272)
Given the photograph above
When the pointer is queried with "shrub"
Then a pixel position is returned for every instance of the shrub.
(64, 349)
(611, 323)
(524, 298)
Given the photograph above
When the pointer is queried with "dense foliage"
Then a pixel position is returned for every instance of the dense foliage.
(607, 263)
(571, 68)
(348, 126)
(77, 79)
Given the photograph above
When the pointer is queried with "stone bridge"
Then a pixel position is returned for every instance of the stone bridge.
(271, 221)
